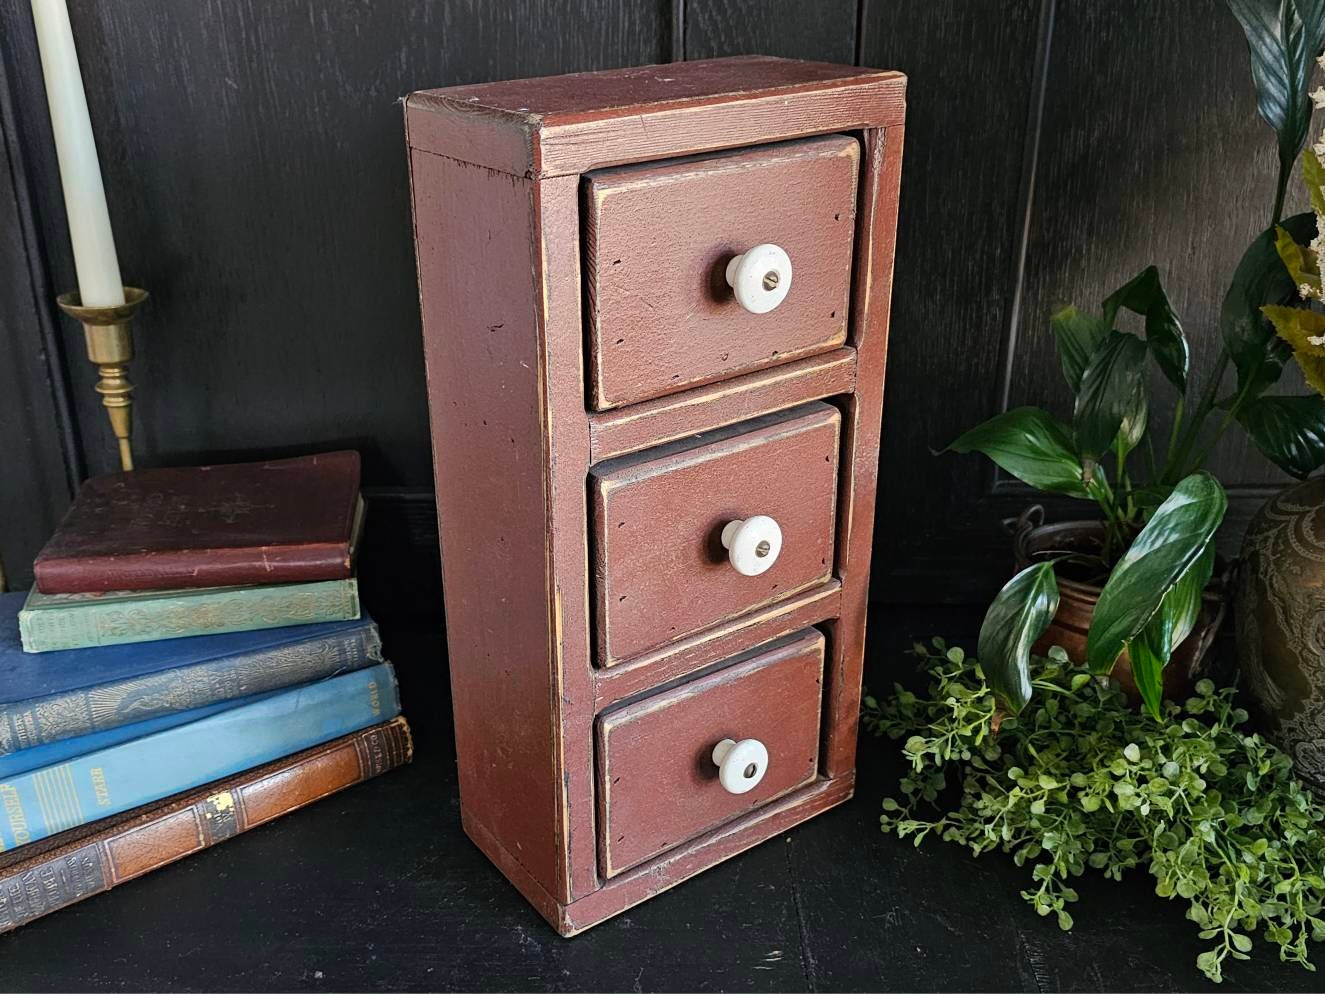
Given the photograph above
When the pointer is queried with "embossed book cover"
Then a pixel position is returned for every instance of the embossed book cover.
(56, 696)
(281, 521)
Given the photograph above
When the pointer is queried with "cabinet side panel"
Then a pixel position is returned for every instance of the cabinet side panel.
(477, 256)
(877, 219)
(557, 206)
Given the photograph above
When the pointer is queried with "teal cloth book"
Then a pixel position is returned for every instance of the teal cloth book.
(49, 622)
(42, 802)
(53, 696)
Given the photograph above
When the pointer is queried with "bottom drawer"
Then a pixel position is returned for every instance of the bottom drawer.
(658, 781)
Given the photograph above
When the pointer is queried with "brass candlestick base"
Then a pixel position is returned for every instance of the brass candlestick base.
(110, 347)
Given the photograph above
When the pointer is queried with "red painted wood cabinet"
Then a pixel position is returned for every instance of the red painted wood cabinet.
(655, 314)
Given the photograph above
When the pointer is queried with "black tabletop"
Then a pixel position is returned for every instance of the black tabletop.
(378, 888)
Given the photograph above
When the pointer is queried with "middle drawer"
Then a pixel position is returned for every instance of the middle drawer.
(662, 568)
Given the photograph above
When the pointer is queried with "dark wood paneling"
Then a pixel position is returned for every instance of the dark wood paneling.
(970, 95)
(37, 453)
(255, 168)
(1146, 160)
(256, 175)
(820, 29)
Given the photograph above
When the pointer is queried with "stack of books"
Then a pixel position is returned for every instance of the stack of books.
(192, 662)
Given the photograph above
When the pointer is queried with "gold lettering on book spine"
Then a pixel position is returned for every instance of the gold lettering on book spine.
(18, 820)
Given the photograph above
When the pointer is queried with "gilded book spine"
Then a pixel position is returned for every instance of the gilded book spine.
(93, 709)
(89, 861)
(83, 621)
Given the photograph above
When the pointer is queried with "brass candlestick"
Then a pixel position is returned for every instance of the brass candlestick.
(110, 347)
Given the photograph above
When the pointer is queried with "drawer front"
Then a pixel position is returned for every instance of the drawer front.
(658, 784)
(661, 569)
(658, 239)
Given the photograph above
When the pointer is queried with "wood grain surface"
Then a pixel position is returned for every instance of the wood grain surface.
(660, 571)
(257, 187)
(499, 270)
(657, 782)
(273, 229)
(658, 237)
(1173, 197)
(957, 239)
(482, 354)
(617, 432)
(710, 647)
(822, 29)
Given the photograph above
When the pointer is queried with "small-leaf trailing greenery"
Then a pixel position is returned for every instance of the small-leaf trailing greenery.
(1081, 781)
(1161, 509)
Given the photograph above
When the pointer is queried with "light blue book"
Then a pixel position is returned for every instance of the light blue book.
(42, 802)
(52, 753)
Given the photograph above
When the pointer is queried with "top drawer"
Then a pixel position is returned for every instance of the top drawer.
(659, 238)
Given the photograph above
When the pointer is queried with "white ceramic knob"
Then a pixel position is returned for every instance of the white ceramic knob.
(752, 544)
(741, 765)
(760, 277)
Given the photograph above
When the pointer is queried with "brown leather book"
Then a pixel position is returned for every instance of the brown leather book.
(283, 521)
(52, 874)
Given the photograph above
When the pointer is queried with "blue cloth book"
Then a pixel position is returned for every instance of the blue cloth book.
(59, 695)
(57, 752)
(45, 801)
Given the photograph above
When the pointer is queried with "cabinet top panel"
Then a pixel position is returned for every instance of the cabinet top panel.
(559, 125)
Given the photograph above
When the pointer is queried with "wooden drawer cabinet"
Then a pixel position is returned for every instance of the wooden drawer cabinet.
(659, 516)
(657, 782)
(655, 315)
(659, 236)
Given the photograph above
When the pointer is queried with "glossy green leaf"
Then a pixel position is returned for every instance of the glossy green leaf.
(1164, 337)
(1108, 395)
(1290, 431)
(1260, 279)
(1017, 617)
(1032, 446)
(1170, 545)
(1079, 335)
(1147, 672)
(1133, 427)
(1178, 612)
(1284, 37)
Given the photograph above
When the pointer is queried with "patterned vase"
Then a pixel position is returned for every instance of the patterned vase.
(1280, 609)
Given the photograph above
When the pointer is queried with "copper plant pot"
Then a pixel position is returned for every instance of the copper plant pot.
(1034, 541)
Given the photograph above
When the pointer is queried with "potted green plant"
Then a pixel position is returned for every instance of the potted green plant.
(1140, 570)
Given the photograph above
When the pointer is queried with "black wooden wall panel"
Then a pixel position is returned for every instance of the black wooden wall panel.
(1146, 160)
(971, 70)
(35, 479)
(824, 30)
(255, 169)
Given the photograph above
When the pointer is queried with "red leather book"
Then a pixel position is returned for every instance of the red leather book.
(282, 521)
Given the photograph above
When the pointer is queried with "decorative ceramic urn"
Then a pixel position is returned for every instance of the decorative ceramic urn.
(1280, 608)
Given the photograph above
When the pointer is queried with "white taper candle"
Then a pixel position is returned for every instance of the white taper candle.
(98, 267)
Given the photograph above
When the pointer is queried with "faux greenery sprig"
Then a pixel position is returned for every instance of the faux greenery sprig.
(1081, 780)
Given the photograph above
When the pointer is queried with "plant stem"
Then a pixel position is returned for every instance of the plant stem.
(1281, 187)
(1176, 430)
(1176, 463)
